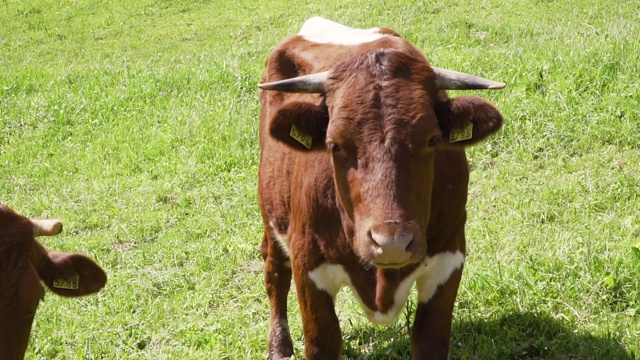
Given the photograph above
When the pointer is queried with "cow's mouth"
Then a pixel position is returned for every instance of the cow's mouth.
(392, 265)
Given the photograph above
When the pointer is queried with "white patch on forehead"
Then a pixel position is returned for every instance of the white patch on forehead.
(438, 269)
(323, 31)
(282, 239)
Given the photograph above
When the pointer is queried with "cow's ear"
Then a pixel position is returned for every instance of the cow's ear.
(466, 120)
(301, 125)
(71, 274)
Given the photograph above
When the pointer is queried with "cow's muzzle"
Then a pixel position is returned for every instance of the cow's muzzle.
(394, 244)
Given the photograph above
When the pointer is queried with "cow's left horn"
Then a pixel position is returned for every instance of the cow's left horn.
(453, 80)
(312, 83)
(46, 227)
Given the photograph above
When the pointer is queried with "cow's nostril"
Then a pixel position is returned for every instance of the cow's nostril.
(378, 240)
(376, 247)
(411, 246)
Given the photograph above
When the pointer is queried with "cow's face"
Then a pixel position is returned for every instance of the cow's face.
(382, 136)
(383, 122)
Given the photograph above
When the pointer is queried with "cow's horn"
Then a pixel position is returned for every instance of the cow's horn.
(46, 227)
(453, 80)
(312, 83)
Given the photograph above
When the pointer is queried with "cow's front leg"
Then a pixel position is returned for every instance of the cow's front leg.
(432, 326)
(277, 278)
(322, 337)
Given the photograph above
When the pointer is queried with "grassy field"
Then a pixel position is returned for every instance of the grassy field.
(135, 122)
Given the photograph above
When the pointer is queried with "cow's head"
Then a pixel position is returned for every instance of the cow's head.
(24, 263)
(383, 118)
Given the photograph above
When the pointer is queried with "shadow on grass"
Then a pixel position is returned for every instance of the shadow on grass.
(511, 336)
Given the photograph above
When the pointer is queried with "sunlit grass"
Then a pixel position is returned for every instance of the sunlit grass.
(136, 123)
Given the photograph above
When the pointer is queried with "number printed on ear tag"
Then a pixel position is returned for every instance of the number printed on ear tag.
(302, 138)
(464, 132)
(70, 283)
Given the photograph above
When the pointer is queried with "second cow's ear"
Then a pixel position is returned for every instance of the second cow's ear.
(301, 125)
(71, 274)
(467, 120)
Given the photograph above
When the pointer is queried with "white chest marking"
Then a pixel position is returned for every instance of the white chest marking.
(438, 270)
(323, 31)
(331, 277)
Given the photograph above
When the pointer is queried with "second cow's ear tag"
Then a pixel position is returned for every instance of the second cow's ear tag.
(464, 132)
(304, 139)
(70, 282)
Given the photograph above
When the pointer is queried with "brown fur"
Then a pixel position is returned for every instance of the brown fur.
(24, 263)
(380, 162)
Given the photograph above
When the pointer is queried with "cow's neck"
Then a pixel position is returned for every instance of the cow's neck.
(388, 283)
(383, 293)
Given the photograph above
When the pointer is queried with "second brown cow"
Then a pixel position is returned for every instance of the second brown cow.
(363, 182)
(24, 264)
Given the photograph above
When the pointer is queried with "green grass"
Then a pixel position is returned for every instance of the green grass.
(136, 124)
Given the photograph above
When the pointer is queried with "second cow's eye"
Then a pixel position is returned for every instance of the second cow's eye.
(435, 140)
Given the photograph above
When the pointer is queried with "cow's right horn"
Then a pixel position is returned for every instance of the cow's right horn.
(312, 83)
(46, 227)
(452, 80)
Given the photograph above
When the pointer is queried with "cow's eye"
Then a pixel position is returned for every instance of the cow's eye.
(335, 147)
(435, 140)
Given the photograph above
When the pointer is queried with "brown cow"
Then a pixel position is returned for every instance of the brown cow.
(24, 262)
(363, 182)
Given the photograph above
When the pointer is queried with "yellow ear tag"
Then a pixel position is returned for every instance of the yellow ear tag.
(70, 283)
(302, 138)
(464, 132)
